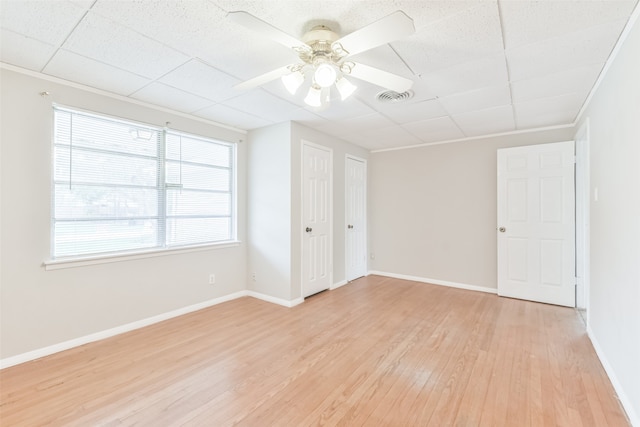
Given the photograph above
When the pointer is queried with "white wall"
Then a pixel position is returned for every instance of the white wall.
(432, 209)
(269, 216)
(40, 308)
(614, 303)
(275, 207)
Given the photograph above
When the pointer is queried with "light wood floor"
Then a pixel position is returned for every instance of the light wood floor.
(377, 352)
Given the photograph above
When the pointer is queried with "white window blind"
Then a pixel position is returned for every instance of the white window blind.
(121, 186)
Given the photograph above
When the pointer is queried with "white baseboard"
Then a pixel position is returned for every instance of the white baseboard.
(338, 284)
(436, 282)
(274, 300)
(76, 342)
(634, 419)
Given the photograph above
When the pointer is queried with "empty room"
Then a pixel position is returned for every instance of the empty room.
(297, 213)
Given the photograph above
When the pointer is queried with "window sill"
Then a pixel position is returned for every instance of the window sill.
(58, 264)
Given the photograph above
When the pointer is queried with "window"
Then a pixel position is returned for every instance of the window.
(121, 186)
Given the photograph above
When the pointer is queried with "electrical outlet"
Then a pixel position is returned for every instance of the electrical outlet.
(212, 279)
(253, 276)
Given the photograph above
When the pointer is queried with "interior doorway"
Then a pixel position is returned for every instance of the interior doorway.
(317, 215)
(536, 223)
(583, 199)
(355, 217)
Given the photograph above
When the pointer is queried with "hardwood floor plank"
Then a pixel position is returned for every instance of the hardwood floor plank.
(377, 352)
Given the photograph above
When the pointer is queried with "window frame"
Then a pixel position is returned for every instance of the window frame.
(162, 248)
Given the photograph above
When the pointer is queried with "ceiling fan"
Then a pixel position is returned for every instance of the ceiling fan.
(325, 56)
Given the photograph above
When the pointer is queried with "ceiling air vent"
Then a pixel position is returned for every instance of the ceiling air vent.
(393, 97)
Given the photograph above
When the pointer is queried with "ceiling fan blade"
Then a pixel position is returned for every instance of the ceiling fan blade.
(267, 30)
(263, 78)
(381, 78)
(391, 27)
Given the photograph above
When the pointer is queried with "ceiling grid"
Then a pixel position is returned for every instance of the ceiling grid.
(478, 67)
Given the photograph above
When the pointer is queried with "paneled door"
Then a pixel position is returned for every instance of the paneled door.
(536, 223)
(316, 219)
(355, 218)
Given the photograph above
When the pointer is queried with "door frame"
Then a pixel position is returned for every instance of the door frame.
(366, 224)
(301, 206)
(583, 188)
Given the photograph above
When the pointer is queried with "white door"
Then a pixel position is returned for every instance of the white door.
(316, 219)
(356, 224)
(536, 223)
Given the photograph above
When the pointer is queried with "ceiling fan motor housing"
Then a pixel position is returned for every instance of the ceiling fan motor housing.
(320, 40)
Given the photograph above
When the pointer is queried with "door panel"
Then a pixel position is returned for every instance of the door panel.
(536, 223)
(356, 261)
(316, 220)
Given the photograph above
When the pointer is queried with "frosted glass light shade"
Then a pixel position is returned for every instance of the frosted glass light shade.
(314, 97)
(325, 75)
(345, 87)
(292, 81)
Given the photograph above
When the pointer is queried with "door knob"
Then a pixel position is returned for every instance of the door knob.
(308, 229)
(502, 229)
(349, 226)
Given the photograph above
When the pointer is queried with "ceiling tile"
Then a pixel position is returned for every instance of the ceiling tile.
(429, 13)
(412, 111)
(471, 34)
(485, 72)
(187, 55)
(326, 126)
(433, 130)
(103, 40)
(170, 97)
(48, 21)
(77, 68)
(576, 80)
(183, 25)
(532, 21)
(200, 79)
(552, 111)
(350, 107)
(232, 117)
(263, 104)
(85, 4)
(371, 122)
(389, 137)
(486, 122)
(343, 17)
(202, 29)
(587, 47)
(24, 51)
(304, 116)
(478, 99)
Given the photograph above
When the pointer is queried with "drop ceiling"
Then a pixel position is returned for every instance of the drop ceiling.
(479, 67)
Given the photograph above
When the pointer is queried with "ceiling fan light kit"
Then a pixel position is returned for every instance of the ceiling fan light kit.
(323, 54)
(293, 81)
(314, 97)
(325, 74)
